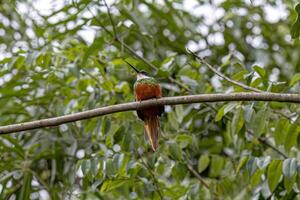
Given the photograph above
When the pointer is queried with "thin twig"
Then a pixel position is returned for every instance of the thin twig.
(267, 143)
(152, 175)
(110, 18)
(42, 182)
(136, 55)
(199, 177)
(288, 117)
(180, 84)
(202, 60)
(190, 167)
(12, 190)
(93, 77)
(100, 23)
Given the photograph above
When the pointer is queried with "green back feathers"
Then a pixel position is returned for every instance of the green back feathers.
(150, 81)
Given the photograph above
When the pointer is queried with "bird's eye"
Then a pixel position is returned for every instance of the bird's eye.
(144, 73)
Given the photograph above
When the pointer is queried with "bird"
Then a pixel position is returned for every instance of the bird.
(147, 87)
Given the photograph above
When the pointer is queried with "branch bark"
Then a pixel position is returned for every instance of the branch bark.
(243, 96)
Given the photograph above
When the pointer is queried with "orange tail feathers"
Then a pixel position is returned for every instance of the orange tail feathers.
(152, 129)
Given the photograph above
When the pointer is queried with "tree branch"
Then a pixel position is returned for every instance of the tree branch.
(265, 142)
(243, 96)
(202, 60)
(199, 177)
(191, 169)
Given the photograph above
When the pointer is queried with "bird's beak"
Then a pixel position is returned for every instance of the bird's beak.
(135, 69)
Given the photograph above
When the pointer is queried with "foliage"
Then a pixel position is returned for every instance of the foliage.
(296, 26)
(51, 65)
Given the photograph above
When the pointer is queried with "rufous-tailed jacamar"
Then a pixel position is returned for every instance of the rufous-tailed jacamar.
(146, 87)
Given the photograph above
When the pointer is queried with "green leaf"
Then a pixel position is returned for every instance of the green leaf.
(110, 135)
(295, 30)
(289, 183)
(179, 113)
(260, 71)
(109, 185)
(203, 162)
(220, 114)
(241, 164)
(281, 131)
(259, 123)
(216, 165)
(123, 162)
(105, 125)
(5, 60)
(226, 186)
(167, 62)
(237, 121)
(107, 85)
(174, 192)
(175, 151)
(265, 190)
(94, 163)
(19, 63)
(251, 166)
(289, 167)
(26, 187)
(256, 82)
(15, 147)
(173, 120)
(86, 166)
(292, 135)
(178, 171)
(298, 180)
(110, 168)
(294, 79)
(184, 140)
(227, 60)
(224, 110)
(248, 111)
(239, 75)
(256, 178)
(297, 8)
(189, 81)
(228, 136)
(274, 174)
(96, 45)
(263, 162)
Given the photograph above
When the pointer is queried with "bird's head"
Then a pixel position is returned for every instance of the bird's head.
(140, 74)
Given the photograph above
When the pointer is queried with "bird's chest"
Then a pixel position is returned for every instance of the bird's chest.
(145, 91)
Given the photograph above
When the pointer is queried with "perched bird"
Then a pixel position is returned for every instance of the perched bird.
(146, 87)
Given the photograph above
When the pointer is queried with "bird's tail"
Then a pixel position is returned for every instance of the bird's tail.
(152, 130)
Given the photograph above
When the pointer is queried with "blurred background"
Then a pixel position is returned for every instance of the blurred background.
(65, 56)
